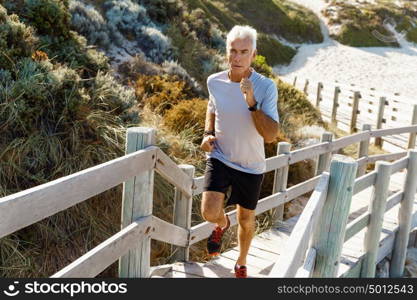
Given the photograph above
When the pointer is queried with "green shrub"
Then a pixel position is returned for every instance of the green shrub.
(55, 123)
(16, 39)
(49, 17)
(262, 67)
(274, 51)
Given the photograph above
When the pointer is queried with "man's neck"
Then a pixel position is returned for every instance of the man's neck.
(237, 77)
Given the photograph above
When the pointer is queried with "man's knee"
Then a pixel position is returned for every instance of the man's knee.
(212, 205)
(246, 219)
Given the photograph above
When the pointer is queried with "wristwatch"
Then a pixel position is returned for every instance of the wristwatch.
(253, 107)
(209, 132)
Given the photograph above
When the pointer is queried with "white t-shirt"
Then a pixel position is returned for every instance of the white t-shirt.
(238, 144)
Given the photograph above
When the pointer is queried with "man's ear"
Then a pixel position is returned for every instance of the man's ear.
(254, 56)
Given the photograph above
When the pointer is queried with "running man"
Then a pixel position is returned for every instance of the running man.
(241, 115)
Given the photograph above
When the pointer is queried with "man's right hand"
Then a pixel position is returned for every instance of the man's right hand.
(207, 145)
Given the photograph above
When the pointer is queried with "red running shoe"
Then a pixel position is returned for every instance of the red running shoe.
(241, 271)
(214, 242)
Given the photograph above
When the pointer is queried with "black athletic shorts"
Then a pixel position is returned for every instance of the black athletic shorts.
(245, 187)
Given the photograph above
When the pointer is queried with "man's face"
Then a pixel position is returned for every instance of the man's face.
(240, 55)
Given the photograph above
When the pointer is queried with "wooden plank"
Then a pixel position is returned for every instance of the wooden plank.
(251, 261)
(100, 257)
(335, 105)
(271, 241)
(319, 98)
(182, 215)
(302, 188)
(201, 270)
(309, 152)
(169, 233)
(306, 270)
(169, 170)
(393, 131)
(399, 165)
(176, 274)
(198, 185)
(386, 244)
(137, 199)
(276, 162)
(355, 110)
(323, 161)
(32, 205)
(226, 265)
(364, 182)
(363, 150)
(357, 225)
(329, 233)
(261, 253)
(280, 181)
(412, 138)
(160, 271)
(294, 250)
(387, 157)
(362, 221)
(349, 140)
(404, 218)
(376, 210)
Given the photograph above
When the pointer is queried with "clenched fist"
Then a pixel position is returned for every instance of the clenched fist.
(207, 145)
(246, 87)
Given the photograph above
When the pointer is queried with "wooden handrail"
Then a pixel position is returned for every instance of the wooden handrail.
(295, 249)
(169, 170)
(101, 256)
(32, 205)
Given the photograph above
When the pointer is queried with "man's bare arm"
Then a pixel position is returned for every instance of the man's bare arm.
(210, 118)
(207, 144)
(266, 126)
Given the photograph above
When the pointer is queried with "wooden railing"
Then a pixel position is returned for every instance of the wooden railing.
(319, 260)
(136, 169)
(349, 106)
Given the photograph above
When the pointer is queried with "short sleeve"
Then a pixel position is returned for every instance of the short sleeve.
(269, 103)
(211, 107)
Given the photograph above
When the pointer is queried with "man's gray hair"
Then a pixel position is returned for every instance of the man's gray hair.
(241, 32)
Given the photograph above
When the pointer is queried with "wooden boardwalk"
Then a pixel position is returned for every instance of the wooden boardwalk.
(267, 246)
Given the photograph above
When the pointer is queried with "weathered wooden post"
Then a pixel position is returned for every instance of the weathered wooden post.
(363, 150)
(380, 119)
(324, 159)
(335, 104)
(404, 217)
(319, 89)
(137, 202)
(306, 87)
(355, 111)
(376, 210)
(182, 215)
(280, 182)
(412, 138)
(329, 234)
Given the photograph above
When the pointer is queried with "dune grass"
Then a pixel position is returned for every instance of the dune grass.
(359, 22)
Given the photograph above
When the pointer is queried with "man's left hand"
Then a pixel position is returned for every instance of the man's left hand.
(247, 89)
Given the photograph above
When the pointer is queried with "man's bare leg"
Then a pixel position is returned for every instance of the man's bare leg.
(246, 230)
(212, 209)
